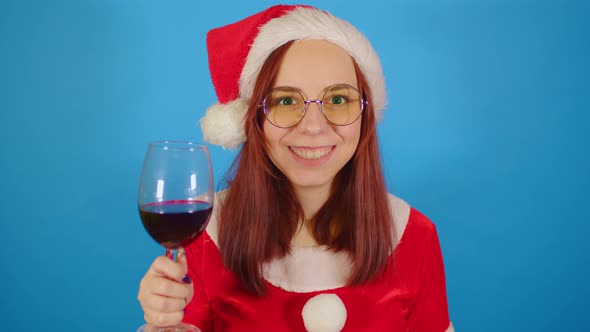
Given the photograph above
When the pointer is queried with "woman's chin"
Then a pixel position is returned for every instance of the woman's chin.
(310, 181)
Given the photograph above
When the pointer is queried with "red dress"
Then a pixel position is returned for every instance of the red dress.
(307, 291)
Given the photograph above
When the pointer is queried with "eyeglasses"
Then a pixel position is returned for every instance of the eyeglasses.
(341, 105)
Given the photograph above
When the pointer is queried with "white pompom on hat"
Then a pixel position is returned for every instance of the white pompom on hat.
(238, 51)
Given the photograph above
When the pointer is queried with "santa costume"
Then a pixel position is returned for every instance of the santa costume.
(306, 290)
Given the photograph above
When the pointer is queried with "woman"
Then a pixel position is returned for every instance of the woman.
(306, 237)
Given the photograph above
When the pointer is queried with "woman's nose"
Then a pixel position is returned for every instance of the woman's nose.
(313, 121)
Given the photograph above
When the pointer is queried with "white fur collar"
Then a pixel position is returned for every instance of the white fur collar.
(308, 269)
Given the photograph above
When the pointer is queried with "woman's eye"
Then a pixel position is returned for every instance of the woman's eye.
(337, 100)
(286, 101)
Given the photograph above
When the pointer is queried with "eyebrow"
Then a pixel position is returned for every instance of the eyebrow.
(292, 88)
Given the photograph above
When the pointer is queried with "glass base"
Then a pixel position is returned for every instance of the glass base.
(179, 328)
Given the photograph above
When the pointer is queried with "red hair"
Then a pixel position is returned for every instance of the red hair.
(260, 212)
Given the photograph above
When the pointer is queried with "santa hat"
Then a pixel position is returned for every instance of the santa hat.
(238, 51)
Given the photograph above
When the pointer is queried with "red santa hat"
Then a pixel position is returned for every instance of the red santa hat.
(238, 51)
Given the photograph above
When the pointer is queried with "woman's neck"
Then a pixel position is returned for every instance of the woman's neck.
(311, 200)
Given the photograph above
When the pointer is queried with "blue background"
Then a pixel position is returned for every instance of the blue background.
(486, 133)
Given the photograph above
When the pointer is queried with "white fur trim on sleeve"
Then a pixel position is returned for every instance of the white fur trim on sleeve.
(213, 225)
(223, 124)
(450, 328)
(400, 211)
(310, 23)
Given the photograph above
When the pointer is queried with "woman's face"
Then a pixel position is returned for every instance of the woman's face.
(312, 152)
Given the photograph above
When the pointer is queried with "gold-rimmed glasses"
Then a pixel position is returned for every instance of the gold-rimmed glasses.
(341, 105)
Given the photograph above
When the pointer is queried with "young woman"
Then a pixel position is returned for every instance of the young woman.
(305, 237)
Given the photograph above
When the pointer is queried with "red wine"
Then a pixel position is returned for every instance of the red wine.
(175, 223)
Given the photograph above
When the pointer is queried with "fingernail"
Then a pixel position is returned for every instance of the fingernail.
(186, 279)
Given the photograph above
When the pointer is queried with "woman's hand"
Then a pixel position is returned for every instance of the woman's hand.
(165, 290)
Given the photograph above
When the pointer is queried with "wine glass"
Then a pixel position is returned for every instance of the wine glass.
(175, 199)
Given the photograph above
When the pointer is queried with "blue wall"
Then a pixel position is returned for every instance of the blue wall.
(486, 132)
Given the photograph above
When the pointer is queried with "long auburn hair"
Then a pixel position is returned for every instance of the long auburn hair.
(260, 213)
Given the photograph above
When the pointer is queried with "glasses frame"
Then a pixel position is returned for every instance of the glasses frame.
(320, 102)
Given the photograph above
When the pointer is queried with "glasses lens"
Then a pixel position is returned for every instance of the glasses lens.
(342, 104)
(284, 107)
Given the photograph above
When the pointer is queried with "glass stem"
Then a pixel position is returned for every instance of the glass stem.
(172, 254)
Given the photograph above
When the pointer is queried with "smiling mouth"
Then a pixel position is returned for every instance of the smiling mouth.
(311, 153)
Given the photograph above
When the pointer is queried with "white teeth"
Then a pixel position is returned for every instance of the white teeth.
(311, 154)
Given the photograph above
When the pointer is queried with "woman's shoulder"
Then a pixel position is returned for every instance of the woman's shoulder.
(400, 212)
(409, 223)
(212, 229)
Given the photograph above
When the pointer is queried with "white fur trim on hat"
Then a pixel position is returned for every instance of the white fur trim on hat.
(223, 124)
(311, 23)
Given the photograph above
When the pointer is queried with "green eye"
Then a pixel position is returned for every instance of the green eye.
(287, 101)
(337, 100)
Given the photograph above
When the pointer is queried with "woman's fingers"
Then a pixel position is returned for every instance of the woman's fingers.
(165, 267)
(163, 318)
(164, 304)
(164, 291)
(161, 286)
(169, 288)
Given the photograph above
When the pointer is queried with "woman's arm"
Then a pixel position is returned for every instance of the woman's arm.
(198, 311)
(429, 310)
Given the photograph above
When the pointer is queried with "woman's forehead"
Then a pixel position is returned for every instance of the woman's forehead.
(312, 65)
